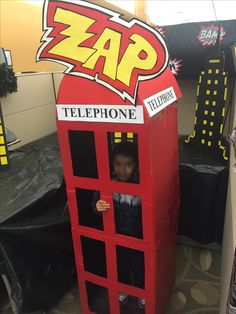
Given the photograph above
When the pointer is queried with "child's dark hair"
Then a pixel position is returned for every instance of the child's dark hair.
(127, 149)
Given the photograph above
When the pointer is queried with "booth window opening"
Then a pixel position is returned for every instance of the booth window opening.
(128, 215)
(123, 156)
(83, 153)
(130, 266)
(95, 293)
(86, 205)
(90, 249)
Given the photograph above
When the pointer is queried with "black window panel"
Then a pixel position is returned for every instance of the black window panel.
(94, 256)
(83, 154)
(128, 216)
(98, 299)
(88, 216)
(130, 266)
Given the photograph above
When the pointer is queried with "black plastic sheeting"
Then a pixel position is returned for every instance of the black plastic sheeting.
(185, 47)
(36, 252)
(203, 187)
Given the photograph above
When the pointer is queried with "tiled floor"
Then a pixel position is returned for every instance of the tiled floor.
(196, 289)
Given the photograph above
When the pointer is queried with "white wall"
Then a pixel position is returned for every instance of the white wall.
(57, 77)
(30, 112)
(229, 239)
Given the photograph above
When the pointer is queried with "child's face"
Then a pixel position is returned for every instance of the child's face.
(124, 167)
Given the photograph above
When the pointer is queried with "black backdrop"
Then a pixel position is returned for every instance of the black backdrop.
(190, 44)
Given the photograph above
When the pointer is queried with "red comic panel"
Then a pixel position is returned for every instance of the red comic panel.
(96, 43)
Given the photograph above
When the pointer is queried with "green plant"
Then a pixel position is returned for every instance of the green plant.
(8, 80)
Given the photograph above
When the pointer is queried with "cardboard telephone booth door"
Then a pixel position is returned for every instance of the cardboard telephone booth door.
(105, 100)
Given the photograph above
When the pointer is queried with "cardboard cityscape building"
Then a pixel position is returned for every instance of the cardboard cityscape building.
(118, 88)
(4, 155)
(210, 108)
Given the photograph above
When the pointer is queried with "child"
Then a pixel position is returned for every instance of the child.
(128, 217)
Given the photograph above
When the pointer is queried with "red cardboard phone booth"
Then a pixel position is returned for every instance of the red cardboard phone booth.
(95, 111)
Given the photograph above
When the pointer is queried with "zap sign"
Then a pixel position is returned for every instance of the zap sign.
(96, 43)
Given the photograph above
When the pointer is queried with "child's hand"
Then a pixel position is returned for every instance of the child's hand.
(102, 206)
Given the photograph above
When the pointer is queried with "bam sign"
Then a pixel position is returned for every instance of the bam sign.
(96, 43)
